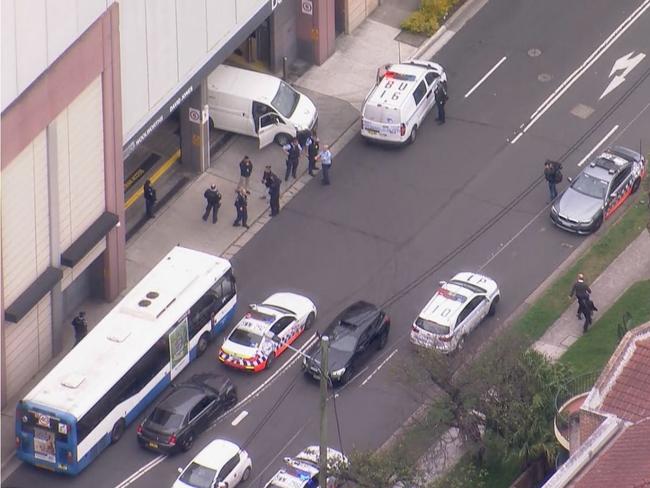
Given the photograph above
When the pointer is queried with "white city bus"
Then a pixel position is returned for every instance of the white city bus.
(87, 400)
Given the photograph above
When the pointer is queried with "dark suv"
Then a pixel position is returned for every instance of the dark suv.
(353, 334)
(175, 422)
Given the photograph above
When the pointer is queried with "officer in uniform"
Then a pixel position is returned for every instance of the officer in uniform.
(293, 151)
(80, 327)
(274, 191)
(313, 148)
(213, 198)
(241, 205)
(441, 98)
(582, 292)
(149, 198)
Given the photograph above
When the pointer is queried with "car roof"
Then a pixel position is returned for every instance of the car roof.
(216, 454)
(607, 164)
(258, 325)
(356, 318)
(182, 398)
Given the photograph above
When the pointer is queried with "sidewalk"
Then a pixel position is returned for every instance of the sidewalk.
(337, 88)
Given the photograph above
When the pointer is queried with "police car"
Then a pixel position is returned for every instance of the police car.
(302, 470)
(599, 189)
(266, 330)
(455, 309)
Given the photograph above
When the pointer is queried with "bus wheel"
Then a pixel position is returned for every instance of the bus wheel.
(118, 431)
(202, 345)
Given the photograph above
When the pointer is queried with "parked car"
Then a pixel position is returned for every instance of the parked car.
(266, 331)
(353, 334)
(221, 464)
(396, 107)
(599, 189)
(185, 412)
(302, 470)
(455, 309)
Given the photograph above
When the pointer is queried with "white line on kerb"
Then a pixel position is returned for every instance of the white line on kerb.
(378, 367)
(593, 57)
(583, 160)
(485, 77)
(239, 418)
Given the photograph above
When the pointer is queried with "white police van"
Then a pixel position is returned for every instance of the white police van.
(395, 108)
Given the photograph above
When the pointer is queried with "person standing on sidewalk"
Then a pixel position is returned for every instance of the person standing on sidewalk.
(587, 308)
(441, 98)
(313, 147)
(266, 179)
(553, 175)
(274, 192)
(213, 197)
(581, 291)
(80, 327)
(293, 151)
(241, 205)
(149, 199)
(325, 158)
(245, 171)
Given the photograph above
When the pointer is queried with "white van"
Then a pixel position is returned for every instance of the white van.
(397, 105)
(258, 105)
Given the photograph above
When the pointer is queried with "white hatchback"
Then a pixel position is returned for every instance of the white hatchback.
(221, 464)
(455, 309)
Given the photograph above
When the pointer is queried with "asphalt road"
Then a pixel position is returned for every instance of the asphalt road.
(467, 195)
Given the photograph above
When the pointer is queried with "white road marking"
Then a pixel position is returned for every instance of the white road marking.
(239, 418)
(280, 451)
(584, 160)
(379, 367)
(626, 63)
(573, 77)
(151, 464)
(485, 77)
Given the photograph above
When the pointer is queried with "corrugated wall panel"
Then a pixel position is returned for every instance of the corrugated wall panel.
(192, 34)
(9, 83)
(19, 268)
(63, 180)
(222, 20)
(44, 309)
(41, 204)
(61, 27)
(86, 152)
(31, 41)
(162, 59)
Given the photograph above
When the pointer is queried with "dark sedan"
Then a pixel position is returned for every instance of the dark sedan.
(186, 411)
(352, 335)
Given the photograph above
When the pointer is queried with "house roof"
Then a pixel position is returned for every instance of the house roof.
(629, 395)
(624, 462)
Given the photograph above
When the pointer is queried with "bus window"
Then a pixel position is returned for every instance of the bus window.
(202, 311)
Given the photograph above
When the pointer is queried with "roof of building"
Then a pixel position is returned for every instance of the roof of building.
(624, 462)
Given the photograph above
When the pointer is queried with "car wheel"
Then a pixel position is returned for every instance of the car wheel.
(282, 139)
(202, 345)
(636, 185)
(310, 321)
(118, 431)
(382, 340)
(597, 223)
(188, 441)
(231, 399)
(247, 474)
(347, 376)
(493, 306)
(461, 343)
(414, 134)
(269, 360)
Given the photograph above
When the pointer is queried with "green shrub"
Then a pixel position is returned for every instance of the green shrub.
(427, 19)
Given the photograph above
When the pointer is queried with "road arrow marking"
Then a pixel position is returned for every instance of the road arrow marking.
(626, 63)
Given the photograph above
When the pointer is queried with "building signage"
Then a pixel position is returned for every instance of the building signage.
(195, 115)
(307, 7)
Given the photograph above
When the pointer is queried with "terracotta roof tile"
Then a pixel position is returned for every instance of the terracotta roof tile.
(624, 463)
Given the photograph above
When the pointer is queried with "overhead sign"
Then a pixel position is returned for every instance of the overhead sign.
(624, 65)
(307, 7)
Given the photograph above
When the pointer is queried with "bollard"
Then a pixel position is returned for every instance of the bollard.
(284, 68)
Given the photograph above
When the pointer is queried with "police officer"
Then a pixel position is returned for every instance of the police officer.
(274, 191)
(441, 98)
(582, 292)
(245, 170)
(587, 308)
(149, 198)
(313, 148)
(213, 198)
(80, 327)
(241, 205)
(267, 178)
(293, 151)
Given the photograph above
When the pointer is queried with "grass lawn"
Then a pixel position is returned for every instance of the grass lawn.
(592, 351)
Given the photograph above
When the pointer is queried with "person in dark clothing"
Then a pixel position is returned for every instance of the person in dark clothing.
(274, 192)
(441, 97)
(213, 198)
(582, 292)
(80, 327)
(245, 171)
(241, 205)
(313, 148)
(303, 136)
(551, 169)
(149, 199)
(267, 179)
(293, 151)
(587, 308)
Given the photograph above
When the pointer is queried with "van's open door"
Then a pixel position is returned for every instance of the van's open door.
(268, 127)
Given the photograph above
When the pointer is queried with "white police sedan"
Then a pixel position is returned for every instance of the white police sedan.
(455, 309)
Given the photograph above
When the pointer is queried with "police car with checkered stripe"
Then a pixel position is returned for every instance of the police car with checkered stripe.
(266, 331)
(599, 189)
(301, 471)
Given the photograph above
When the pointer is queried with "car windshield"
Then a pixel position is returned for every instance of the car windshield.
(344, 342)
(198, 476)
(432, 327)
(245, 338)
(169, 420)
(591, 186)
(285, 100)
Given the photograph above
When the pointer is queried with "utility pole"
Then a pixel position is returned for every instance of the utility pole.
(324, 379)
